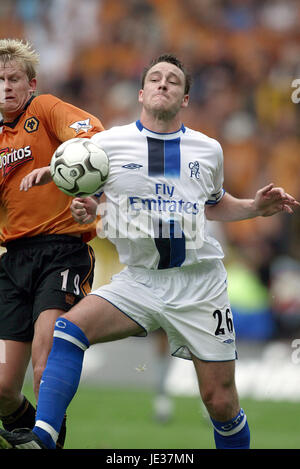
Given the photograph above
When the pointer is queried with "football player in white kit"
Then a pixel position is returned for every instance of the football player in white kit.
(165, 181)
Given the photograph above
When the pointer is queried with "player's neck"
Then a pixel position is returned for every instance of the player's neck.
(161, 125)
(9, 118)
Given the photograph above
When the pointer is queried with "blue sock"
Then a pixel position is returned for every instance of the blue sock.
(233, 434)
(60, 380)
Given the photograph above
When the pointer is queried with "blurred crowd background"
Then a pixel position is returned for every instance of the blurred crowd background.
(243, 56)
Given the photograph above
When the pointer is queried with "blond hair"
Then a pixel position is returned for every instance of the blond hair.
(22, 52)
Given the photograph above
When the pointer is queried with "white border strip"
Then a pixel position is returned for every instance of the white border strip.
(70, 338)
(234, 430)
(45, 426)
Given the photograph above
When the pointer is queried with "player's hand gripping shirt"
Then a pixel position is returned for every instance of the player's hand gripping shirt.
(156, 193)
(26, 144)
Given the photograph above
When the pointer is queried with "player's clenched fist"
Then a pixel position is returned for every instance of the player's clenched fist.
(84, 209)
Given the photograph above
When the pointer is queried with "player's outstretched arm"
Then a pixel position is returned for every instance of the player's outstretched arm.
(84, 209)
(267, 201)
(37, 177)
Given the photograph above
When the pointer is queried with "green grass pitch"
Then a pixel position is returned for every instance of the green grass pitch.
(117, 418)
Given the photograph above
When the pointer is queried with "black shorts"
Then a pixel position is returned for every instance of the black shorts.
(40, 273)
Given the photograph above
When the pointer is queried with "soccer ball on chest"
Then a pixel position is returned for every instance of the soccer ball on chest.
(79, 167)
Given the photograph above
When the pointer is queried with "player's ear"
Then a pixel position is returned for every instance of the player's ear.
(32, 85)
(185, 100)
(141, 94)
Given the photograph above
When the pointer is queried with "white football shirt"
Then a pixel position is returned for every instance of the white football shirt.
(156, 193)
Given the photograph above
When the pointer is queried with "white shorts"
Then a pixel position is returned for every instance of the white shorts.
(190, 303)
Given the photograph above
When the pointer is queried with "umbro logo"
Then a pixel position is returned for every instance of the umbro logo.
(132, 166)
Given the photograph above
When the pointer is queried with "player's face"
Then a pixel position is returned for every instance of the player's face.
(163, 94)
(15, 89)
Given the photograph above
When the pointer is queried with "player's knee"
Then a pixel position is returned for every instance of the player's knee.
(209, 398)
(220, 403)
(218, 408)
(77, 316)
(72, 318)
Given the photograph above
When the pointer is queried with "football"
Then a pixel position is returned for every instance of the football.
(79, 167)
